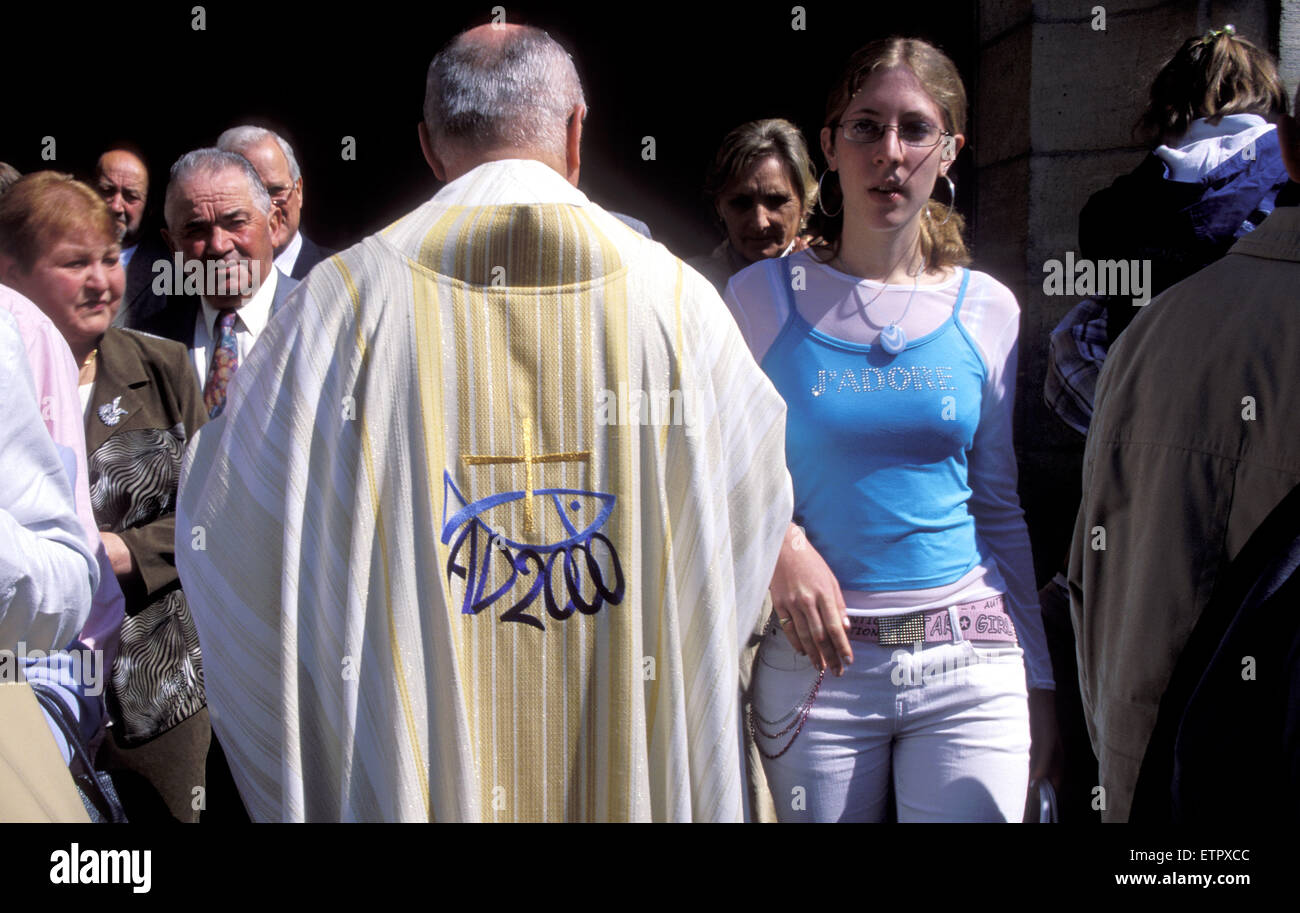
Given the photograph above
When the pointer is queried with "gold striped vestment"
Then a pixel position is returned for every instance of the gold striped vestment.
(466, 555)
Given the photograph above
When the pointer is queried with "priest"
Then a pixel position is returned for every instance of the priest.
(433, 576)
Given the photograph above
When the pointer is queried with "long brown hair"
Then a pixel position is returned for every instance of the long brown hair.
(941, 227)
(1212, 76)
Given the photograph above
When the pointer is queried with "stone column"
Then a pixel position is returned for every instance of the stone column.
(1289, 45)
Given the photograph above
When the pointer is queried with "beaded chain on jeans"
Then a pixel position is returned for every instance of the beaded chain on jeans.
(800, 716)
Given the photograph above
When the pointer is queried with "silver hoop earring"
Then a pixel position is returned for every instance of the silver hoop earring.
(952, 199)
(821, 198)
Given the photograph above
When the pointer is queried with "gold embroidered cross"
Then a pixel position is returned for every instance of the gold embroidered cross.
(529, 459)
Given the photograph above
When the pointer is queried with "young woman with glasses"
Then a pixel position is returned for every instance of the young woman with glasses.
(904, 594)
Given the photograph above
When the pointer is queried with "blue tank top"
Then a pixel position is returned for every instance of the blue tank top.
(877, 447)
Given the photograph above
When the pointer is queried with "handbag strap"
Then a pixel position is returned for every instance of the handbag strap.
(105, 806)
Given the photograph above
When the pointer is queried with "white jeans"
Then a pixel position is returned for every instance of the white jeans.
(950, 721)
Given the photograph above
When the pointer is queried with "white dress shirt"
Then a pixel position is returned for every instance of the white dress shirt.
(127, 254)
(253, 316)
(289, 256)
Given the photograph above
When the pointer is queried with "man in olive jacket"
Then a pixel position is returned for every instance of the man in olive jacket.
(1193, 443)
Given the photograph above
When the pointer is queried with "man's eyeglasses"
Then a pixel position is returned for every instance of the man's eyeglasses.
(916, 133)
(280, 195)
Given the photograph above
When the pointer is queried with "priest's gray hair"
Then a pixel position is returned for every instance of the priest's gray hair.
(212, 161)
(517, 92)
(237, 139)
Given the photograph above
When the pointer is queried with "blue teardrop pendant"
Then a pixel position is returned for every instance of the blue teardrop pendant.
(892, 339)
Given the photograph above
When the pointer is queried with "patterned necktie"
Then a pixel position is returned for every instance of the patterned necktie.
(225, 359)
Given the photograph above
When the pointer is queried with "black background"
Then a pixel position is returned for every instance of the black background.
(327, 867)
(683, 73)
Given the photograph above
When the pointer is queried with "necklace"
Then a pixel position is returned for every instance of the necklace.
(892, 338)
(883, 285)
(86, 372)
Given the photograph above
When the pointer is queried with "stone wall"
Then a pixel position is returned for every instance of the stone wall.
(1289, 44)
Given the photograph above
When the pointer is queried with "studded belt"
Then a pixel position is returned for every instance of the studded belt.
(983, 619)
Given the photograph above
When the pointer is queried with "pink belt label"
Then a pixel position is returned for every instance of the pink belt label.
(984, 619)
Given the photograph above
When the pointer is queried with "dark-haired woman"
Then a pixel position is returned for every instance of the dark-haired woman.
(906, 574)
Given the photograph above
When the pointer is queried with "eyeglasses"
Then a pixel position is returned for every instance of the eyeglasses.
(916, 133)
(280, 195)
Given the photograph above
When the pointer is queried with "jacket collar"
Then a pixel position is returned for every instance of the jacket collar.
(1277, 238)
(139, 272)
(118, 372)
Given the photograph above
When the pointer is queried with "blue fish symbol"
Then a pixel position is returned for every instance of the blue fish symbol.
(551, 498)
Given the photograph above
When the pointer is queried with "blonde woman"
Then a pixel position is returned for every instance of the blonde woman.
(905, 612)
(763, 189)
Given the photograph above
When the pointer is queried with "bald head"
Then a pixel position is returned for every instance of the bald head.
(277, 166)
(502, 91)
(496, 34)
(123, 181)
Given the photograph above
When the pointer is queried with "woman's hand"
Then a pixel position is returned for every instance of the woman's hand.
(118, 554)
(807, 600)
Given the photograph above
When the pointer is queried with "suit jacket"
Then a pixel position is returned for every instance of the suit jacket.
(1192, 445)
(176, 321)
(310, 254)
(144, 389)
(140, 303)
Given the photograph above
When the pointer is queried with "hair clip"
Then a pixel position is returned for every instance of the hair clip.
(1228, 29)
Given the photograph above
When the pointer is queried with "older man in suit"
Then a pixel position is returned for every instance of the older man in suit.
(122, 179)
(219, 214)
(272, 156)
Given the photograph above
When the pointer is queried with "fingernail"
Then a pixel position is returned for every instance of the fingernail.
(848, 660)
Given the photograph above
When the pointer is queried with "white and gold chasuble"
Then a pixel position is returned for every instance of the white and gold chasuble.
(447, 558)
